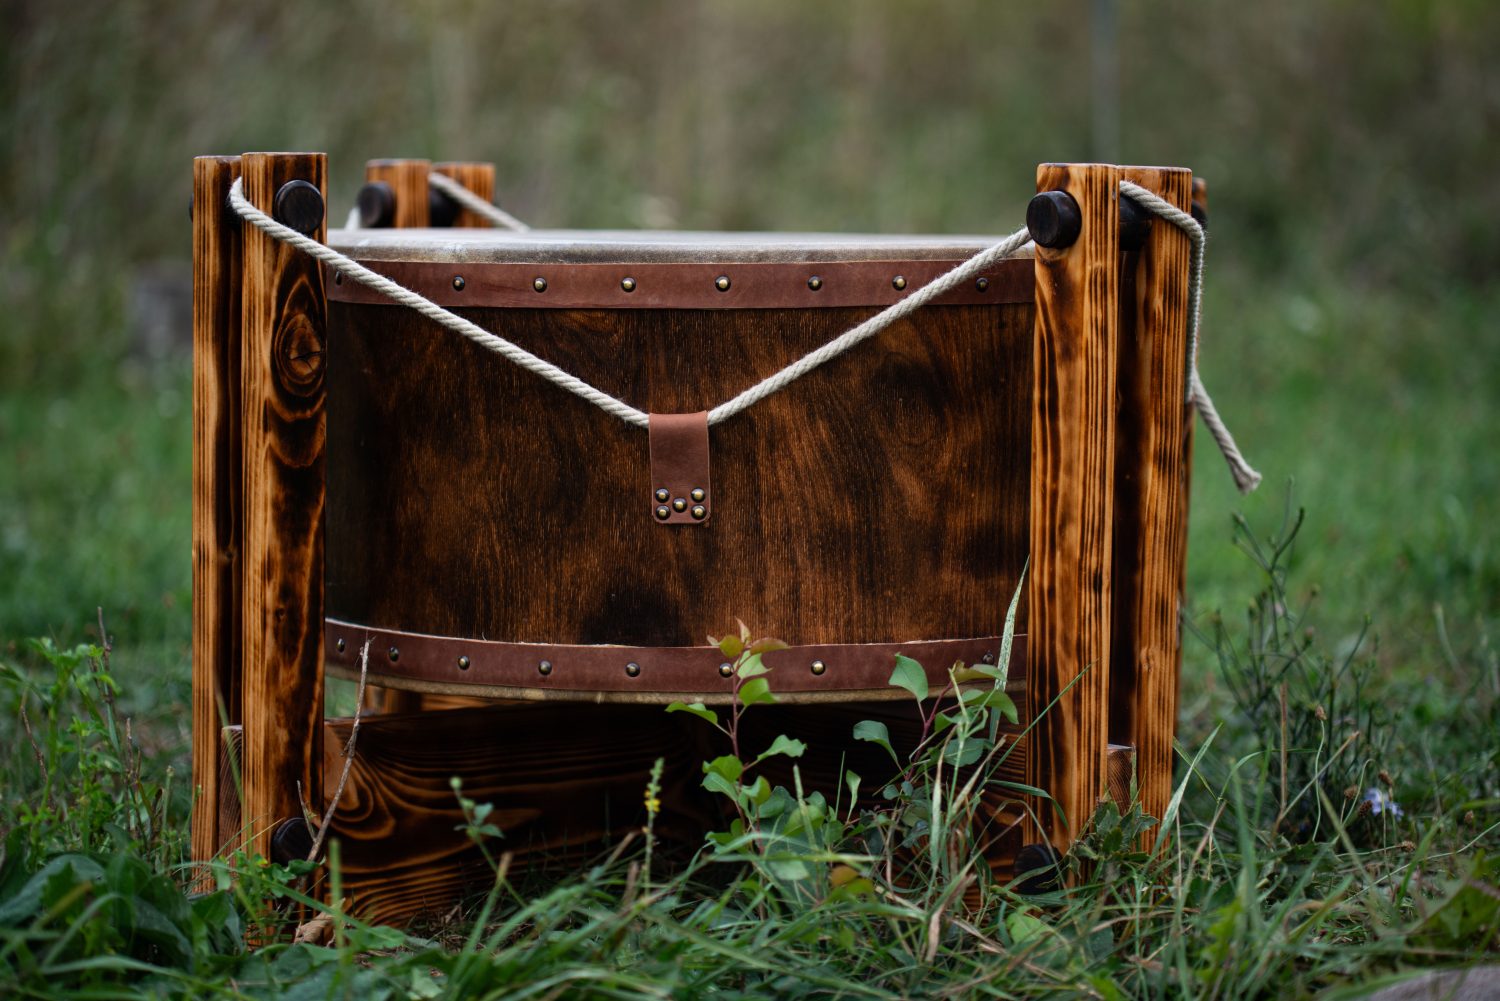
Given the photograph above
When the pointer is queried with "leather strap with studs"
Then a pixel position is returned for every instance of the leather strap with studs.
(804, 673)
(680, 491)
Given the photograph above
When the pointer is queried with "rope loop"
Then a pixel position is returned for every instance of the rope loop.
(474, 203)
(1245, 477)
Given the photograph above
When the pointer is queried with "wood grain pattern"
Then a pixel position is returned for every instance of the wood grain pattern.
(216, 482)
(282, 368)
(1150, 495)
(408, 181)
(881, 498)
(478, 178)
(1072, 477)
(567, 783)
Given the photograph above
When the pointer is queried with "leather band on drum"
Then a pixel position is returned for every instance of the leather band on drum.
(755, 285)
(814, 673)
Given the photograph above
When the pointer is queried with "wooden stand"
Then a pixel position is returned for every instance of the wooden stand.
(1104, 511)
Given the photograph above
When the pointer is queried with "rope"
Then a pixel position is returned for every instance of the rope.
(406, 297)
(874, 325)
(564, 380)
(1245, 476)
(474, 203)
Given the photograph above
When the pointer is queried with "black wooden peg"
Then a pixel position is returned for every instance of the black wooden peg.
(1054, 219)
(376, 203)
(1135, 224)
(299, 205)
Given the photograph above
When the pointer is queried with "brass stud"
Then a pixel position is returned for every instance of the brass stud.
(633, 669)
(815, 283)
(722, 283)
(697, 494)
(540, 284)
(726, 669)
(463, 663)
(818, 667)
(661, 495)
(340, 644)
(699, 512)
(663, 512)
(394, 654)
(458, 283)
(898, 283)
(679, 504)
(988, 658)
(982, 284)
(545, 667)
(628, 284)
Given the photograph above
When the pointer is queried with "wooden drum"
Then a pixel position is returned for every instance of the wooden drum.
(498, 535)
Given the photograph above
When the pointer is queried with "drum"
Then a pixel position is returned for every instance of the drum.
(498, 535)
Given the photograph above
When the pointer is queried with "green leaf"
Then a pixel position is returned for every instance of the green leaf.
(851, 782)
(876, 733)
(1024, 927)
(715, 782)
(910, 676)
(757, 792)
(979, 672)
(726, 765)
(788, 869)
(964, 752)
(697, 709)
(756, 691)
(1008, 635)
(766, 645)
(783, 745)
(995, 698)
(730, 646)
(752, 667)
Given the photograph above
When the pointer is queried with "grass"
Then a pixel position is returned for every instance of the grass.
(1348, 341)
(1275, 884)
(1281, 868)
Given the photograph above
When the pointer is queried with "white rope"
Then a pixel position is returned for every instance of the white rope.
(1245, 476)
(874, 325)
(630, 415)
(406, 297)
(474, 203)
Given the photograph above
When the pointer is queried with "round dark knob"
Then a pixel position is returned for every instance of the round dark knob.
(299, 205)
(376, 202)
(441, 209)
(1135, 224)
(290, 840)
(1036, 869)
(1054, 219)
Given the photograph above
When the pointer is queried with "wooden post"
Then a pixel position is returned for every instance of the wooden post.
(1072, 476)
(478, 178)
(408, 181)
(216, 495)
(1150, 491)
(284, 332)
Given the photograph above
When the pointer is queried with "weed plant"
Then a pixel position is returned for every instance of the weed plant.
(1322, 834)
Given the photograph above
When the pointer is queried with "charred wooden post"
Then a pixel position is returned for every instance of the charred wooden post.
(217, 510)
(1150, 544)
(283, 429)
(1072, 475)
(478, 178)
(399, 197)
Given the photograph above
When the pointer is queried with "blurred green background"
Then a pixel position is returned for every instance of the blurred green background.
(1350, 338)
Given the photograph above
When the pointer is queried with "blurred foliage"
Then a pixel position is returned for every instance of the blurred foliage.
(1349, 148)
(1359, 135)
